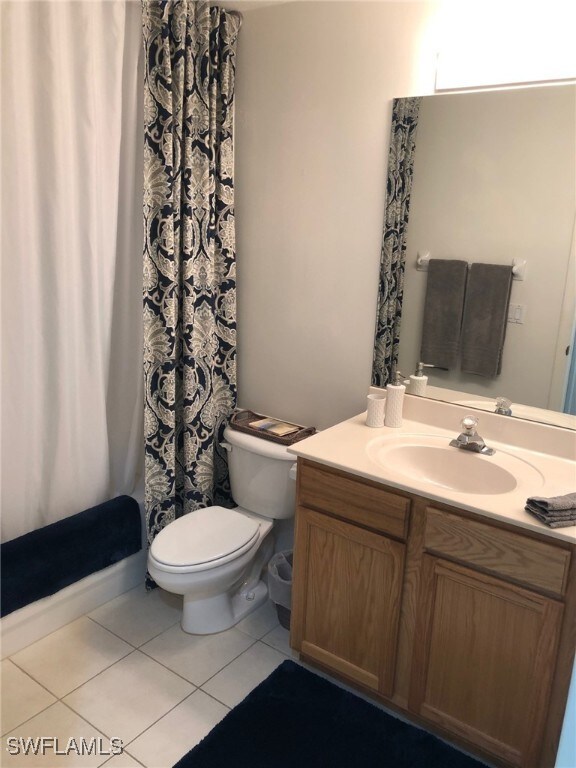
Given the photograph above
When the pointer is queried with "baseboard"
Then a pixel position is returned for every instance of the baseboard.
(34, 621)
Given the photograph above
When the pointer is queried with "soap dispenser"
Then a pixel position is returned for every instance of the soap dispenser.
(418, 381)
(394, 401)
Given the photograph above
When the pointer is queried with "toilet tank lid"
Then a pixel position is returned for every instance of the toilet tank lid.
(204, 536)
(258, 445)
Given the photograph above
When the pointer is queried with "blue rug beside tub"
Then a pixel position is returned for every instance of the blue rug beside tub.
(296, 719)
(44, 561)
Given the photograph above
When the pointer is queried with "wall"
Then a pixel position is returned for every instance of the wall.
(315, 83)
(490, 186)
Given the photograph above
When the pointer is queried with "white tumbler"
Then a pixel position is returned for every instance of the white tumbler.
(376, 405)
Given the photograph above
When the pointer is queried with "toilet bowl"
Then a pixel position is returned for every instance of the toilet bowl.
(215, 556)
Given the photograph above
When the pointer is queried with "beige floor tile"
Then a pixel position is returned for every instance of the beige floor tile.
(59, 725)
(125, 760)
(128, 697)
(70, 656)
(279, 638)
(236, 680)
(22, 697)
(197, 657)
(164, 743)
(137, 616)
(260, 622)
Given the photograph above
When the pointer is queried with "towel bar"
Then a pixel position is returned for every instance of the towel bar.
(518, 265)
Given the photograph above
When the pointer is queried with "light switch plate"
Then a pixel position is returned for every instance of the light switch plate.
(516, 313)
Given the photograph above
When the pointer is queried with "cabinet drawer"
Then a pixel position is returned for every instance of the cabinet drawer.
(535, 563)
(354, 500)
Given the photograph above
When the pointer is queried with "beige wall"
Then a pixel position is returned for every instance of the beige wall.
(315, 83)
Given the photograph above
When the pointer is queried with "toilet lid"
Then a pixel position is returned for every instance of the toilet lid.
(203, 536)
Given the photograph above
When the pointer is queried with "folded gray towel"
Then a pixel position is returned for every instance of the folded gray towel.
(552, 523)
(569, 514)
(556, 511)
(485, 317)
(555, 503)
(443, 309)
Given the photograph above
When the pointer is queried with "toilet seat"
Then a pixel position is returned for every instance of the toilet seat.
(204, 539)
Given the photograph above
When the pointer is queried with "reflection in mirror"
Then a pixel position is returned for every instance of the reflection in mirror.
(493, 182)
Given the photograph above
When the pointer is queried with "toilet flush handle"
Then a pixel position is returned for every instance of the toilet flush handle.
(226, 446)
(293, 471)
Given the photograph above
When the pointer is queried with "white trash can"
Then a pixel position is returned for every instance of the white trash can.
(280, 585)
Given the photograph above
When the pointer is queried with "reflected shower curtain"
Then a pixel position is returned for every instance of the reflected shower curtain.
(391, 282)
(71, 258)
(189, 255)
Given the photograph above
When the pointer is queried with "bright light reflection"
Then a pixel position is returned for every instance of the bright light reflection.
(496, 42)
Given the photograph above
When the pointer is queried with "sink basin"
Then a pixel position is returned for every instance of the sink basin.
(430, 460)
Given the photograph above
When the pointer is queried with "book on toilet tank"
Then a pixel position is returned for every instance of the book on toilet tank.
(274, 427)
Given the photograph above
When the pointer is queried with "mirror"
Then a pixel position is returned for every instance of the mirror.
(493, 182)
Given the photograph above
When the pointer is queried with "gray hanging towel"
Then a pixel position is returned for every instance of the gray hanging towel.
(443, 309)
(485, 317)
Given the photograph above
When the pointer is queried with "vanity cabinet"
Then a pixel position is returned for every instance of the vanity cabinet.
(349, 575)
(484, 659)
(463, 623)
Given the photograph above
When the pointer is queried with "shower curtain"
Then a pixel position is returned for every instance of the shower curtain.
(391, 283)
(71, 258)
(189, 255)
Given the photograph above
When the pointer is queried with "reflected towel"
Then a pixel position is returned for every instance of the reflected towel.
(485, 318)
(443, 309)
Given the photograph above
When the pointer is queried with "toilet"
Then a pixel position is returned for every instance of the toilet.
(214, 556)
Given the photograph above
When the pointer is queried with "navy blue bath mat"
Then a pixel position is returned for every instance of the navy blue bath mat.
(44, 561)
(296, 719)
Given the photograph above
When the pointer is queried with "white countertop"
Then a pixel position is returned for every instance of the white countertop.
(344, 447)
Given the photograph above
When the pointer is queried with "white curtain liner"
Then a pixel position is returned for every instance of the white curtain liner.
(71, 257)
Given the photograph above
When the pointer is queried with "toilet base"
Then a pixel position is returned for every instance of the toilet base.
(215, 614)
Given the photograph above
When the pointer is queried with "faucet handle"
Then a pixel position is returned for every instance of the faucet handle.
(503, 406)
(469, 424)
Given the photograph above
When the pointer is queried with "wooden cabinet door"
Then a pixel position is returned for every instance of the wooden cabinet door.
(484, 658)
(346, 598)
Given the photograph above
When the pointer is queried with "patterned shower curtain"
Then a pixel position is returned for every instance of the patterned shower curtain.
(189, 254)
(391, 283)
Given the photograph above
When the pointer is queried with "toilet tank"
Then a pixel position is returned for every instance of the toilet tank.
(259, 475)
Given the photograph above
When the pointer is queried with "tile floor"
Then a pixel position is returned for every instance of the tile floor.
(127, 671)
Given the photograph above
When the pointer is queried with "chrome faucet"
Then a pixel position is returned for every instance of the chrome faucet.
(469, 439)
(503, 406)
